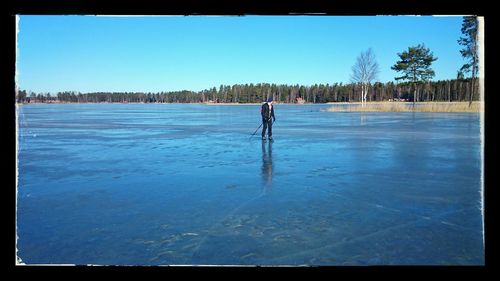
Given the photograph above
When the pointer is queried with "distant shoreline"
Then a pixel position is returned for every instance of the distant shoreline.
(439, 106)
(375, 106)
(203, 103)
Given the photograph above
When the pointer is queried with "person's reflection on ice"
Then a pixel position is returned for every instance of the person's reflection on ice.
(267, 165)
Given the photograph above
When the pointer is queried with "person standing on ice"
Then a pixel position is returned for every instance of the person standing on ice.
(267, 112)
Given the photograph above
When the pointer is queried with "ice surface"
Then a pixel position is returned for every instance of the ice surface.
(150, 184)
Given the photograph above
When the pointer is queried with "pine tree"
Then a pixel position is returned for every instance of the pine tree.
(470, 50)
(415, 64)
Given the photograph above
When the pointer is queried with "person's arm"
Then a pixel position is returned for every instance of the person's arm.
(272, 114)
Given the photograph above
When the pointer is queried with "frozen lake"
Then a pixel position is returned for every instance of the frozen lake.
(150, 184)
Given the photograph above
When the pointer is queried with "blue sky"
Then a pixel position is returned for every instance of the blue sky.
(151, 54)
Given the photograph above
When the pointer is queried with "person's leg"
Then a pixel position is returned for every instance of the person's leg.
(264, 127)
(270, 129)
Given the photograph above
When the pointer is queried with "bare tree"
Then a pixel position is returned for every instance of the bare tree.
(364, 71)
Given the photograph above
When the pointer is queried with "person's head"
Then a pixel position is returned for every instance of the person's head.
(269, 99)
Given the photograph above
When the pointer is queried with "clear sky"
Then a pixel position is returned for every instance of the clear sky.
(151, 54)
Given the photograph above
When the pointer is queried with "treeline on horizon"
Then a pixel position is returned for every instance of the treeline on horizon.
(445, 90)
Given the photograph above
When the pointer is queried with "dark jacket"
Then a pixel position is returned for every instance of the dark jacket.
(264, 111)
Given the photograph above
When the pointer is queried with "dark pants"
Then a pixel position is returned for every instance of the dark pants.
(267, 124)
